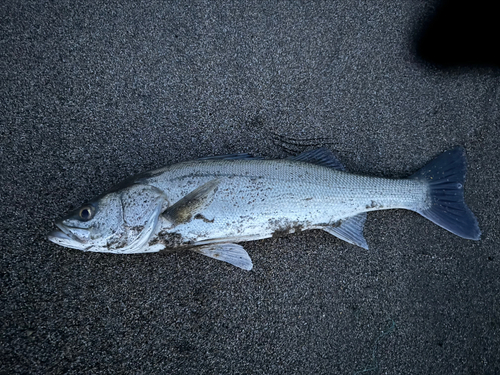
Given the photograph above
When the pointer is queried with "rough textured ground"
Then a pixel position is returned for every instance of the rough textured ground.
(94, 92)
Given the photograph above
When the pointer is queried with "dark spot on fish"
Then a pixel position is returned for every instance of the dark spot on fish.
(201, 217)
(373, 204)
(155, 241)
(335, 224)
(283, 231)
(307, 199)
(286, 227)
(116, 245)
(170, 240)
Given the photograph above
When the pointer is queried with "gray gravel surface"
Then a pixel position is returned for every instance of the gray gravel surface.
(94, 92)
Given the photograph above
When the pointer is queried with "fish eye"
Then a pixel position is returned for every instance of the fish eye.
(86, 213)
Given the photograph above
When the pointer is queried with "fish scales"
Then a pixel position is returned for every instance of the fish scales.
(259, 197)
(212, 204)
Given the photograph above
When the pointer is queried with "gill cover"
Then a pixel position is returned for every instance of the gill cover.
(141, 207)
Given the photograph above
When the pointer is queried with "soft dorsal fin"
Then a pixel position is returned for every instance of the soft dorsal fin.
(321, 156)
(350, 230)
(231, 157)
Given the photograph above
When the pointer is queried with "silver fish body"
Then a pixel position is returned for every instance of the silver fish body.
(256, 198)
(209, 205)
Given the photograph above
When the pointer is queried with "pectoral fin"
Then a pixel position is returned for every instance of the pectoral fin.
(227, 252)
(350, 230)
(186, 208)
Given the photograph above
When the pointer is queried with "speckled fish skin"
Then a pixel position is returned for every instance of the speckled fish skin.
(209, 205)
(256, 198)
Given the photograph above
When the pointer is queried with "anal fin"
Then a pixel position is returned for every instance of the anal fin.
(350, 230)
(227, 252)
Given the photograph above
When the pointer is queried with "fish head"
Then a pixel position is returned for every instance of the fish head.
(116, 222)
(92, 225)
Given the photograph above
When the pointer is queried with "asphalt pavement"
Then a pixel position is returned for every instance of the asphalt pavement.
(93, 92)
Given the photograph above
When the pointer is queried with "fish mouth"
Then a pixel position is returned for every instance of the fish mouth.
(67, 237)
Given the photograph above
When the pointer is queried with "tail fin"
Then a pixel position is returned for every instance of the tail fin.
(445, 176)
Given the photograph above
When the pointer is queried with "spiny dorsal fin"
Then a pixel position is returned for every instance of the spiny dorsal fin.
(321, 156)
(350, 230)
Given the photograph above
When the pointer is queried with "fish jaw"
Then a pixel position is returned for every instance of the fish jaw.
(73, 238)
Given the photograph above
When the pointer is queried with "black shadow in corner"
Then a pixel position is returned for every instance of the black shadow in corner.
(461, 33)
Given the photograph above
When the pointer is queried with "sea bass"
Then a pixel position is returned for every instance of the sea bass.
(209, 205)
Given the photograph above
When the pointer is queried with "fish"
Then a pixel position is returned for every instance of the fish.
(211, 205)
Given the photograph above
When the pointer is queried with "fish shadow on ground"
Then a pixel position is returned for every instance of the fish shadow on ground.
(459, 33)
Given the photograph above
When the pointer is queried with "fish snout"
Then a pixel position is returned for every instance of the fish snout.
(75, 238)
